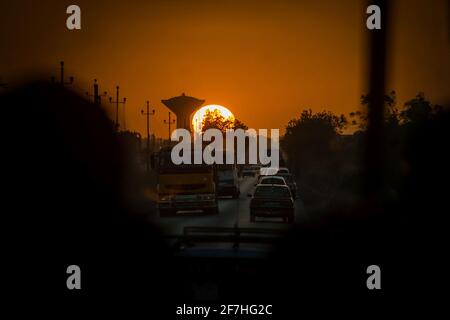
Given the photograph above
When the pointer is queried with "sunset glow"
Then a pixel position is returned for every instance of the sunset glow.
(197, 119)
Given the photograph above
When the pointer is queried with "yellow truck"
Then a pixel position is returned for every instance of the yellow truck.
(184, 187)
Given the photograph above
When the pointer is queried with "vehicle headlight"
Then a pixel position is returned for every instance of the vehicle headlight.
(208, 197)
(166, 198)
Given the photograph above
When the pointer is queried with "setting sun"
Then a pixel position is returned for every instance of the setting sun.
(198, 117)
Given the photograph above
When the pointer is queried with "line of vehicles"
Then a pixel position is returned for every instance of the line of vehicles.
(197, 187)
(274, 195)
(184, 187)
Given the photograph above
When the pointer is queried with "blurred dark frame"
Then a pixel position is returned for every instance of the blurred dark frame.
(377, 54)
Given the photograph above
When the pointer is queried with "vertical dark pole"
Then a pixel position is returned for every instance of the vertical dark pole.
(96, 96)
(153, 142)
(117, 102)
(124, 119)
(377, 74)
(448, 21)
(62, 72)
(148, 114)
(117, 106)
(148, 136)
(61, 80)
(169, 126)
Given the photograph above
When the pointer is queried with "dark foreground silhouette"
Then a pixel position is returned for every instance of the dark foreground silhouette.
(64, 203)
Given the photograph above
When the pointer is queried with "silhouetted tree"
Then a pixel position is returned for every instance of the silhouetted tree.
(310, 143)
(391, 113)
(309, 125)
(239, 125)
(417, 109)
(214, 119)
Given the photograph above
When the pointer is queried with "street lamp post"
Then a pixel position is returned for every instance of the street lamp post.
(148, 114)
(96, 95)
(170, 122)
(117, 102)
(61, 80)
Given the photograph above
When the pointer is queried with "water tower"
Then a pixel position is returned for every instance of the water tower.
(183, 107)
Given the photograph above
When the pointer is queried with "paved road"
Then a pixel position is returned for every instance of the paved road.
(231, 212)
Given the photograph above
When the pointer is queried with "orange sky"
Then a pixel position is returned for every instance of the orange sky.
(264, 60)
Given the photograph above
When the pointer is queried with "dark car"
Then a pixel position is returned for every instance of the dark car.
(250, 171)
(228, 181)
(271, 180)
(272, 201)
(290, 182)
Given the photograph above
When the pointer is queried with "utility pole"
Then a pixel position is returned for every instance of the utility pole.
(170, 122)
(148, 114)
(96, 96)
(117, 102)
(61, 81)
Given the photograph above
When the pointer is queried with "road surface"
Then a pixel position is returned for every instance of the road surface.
(232, 212)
